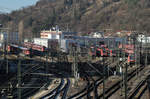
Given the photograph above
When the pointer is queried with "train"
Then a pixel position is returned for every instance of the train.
(27, 49)
(15, 49)
(36, 49)
(102, 50)
(131, 58)
(96, 47)
(129, 52)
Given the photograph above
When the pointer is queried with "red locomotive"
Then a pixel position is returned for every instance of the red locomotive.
(131, 58)
(25, 51)
(112, 53)
(101, 51)
(15, 49)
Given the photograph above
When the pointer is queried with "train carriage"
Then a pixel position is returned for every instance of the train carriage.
(25, 51)
(28, 44)
(38, 49)
(13, 49)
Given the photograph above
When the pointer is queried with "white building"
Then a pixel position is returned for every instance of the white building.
(97, 34)
(45, 42)
(142, 38)
(50, 34)
(56, 34)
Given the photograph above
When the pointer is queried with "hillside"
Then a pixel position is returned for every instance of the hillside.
(81, 15)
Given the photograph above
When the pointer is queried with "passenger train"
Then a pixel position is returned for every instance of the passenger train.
(97, 47)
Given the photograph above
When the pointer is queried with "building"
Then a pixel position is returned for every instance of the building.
(68, 35)
(50, 34)
(65, 44)
(49, 43)
(56, 34)
(13, 37)
(9, 37)
(3, 36)
(97, 34)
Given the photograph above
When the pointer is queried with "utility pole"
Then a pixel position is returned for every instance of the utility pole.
(146, 51)
(103, 79)
(103, 61)
(125, 82)
(135, 52)
(7, 68)
(123, 72)
(47, 65)
(140, 60)
(19, 78)
(75, 64)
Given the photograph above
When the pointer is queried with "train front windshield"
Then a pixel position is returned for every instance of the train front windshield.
(104, 50)
(132, 57)
(92, 49)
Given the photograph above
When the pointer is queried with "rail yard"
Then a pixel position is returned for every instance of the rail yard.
(76, 67)
(75, 49)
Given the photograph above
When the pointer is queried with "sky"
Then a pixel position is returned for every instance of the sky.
(7, 6)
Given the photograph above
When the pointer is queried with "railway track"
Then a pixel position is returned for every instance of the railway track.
(90, 87)
(140, 88)
(137, 92)
(54, 92)
(59, 91)
(90, 84)
(116, 86)
(30, 87)
(64, 94)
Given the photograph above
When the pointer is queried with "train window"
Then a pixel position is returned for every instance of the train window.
(101, 43)
(92, 49)
(132, 57)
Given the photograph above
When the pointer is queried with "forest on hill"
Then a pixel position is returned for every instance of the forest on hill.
(80, 15)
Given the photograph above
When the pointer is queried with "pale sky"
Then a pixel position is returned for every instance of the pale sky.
(10, 5)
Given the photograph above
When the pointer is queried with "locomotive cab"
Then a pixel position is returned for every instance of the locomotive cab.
(131, 58)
